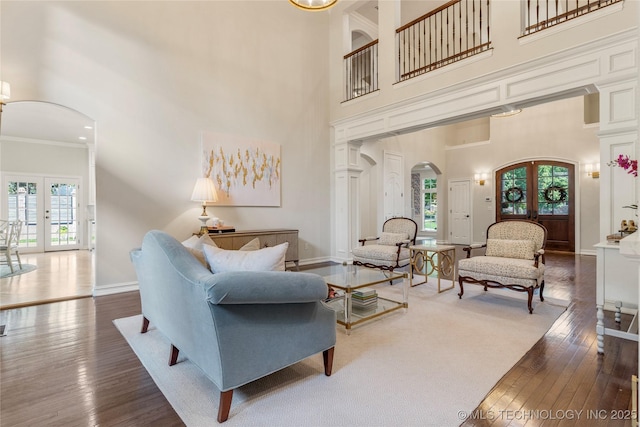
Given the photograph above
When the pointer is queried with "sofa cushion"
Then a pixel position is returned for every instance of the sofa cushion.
(392, 239)
(194, 245)
(499, 266)
(522, 249)
(265, 259)
(380, 254)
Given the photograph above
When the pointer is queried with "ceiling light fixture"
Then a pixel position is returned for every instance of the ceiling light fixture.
(313, 5)
(509, 113)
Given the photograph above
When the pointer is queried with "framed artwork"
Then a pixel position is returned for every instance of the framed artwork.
(247, 172)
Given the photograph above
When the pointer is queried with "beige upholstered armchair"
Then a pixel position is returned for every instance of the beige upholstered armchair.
(514, 259)
(390, 250)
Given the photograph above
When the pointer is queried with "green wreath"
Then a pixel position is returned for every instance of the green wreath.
(555, 194)
(513, 194)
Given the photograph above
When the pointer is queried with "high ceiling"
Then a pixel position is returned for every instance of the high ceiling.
(43, 121)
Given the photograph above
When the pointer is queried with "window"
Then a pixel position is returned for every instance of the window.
(430, 205)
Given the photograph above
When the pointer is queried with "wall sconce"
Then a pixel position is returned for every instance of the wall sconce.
(480, 178)
(593, 170)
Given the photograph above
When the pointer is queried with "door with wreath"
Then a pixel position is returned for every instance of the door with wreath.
(540, 191)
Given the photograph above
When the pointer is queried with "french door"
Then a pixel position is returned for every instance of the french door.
(48, 206)
(540, 191)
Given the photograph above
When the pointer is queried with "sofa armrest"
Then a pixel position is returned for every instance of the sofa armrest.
(368, 239)
(468, 249)
(265, 287)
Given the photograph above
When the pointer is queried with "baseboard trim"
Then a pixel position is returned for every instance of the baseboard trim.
(115, 288)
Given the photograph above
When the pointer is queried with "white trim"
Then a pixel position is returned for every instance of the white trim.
(471, 144)
(79, 145)
(115, 288)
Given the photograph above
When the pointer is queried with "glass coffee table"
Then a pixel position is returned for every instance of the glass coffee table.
(358, 301)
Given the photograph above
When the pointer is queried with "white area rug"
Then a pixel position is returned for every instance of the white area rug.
(5, 271)
(425, 367)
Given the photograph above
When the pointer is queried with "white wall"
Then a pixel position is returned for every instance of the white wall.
(156, 74)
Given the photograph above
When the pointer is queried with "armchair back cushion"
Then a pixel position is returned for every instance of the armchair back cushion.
(507, 248)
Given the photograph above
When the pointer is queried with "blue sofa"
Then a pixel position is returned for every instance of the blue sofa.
(235, 326)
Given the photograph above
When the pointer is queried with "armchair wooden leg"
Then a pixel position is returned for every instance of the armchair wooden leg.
(145, 325)
(173, 359)
(530, 298)
(461, 288)
(541, 290)
(327, 356)
(225, 405)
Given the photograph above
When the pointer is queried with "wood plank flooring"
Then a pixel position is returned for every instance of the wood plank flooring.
(59, 276)
(66, 364)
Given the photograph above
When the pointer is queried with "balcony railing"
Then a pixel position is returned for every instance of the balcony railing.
(361, 67)
(452, 32)
(541, 14)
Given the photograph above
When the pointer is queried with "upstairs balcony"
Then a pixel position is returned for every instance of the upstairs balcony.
(452, 32)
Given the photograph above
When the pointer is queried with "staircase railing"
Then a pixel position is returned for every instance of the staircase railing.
(361, 68)
(454, 31)
(541, 14)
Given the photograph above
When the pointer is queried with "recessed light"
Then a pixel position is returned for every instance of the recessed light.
(88, 127)
(82, 138)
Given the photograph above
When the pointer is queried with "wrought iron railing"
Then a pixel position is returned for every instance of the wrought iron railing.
(454, 31)
(361, 68)
(541, 14)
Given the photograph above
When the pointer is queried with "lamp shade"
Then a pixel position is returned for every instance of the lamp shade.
(5, 91)
(313, 5)
(204, 191)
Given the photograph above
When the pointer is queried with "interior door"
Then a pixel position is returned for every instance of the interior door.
(24, 201)
(540, 191)
(460, 212)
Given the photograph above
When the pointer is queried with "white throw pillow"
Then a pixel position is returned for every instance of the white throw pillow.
(253, 245)
(194, 244)
(265, 259)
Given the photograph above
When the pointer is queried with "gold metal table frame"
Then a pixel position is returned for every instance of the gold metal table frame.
(348, 278)
(424, 264)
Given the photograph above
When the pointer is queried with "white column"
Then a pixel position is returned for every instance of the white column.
(347, 172)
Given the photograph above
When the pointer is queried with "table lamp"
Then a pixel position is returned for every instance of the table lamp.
(204, 192)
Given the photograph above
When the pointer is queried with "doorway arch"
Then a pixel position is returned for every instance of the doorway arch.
(65, 141)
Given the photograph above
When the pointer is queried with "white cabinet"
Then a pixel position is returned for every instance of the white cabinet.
(617, 291)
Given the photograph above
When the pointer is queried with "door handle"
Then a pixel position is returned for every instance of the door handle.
(467, 216)
(535, 214)
(528, 213)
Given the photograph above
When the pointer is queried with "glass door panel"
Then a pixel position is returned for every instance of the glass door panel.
(23, 196)
(61, 214)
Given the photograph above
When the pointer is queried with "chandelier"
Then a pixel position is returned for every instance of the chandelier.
(313, 5)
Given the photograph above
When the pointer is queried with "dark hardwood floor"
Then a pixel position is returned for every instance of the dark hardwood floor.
(66, 364)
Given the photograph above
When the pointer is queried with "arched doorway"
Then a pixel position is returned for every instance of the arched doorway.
(424, 198)
(540, 191)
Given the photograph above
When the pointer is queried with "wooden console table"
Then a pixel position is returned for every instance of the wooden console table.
(234, 240)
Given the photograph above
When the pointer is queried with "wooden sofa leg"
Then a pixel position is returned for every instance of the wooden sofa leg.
(145, 325)
(327, 356)
(225, 405)
(173, 359)
(541, 290)
(461, 288)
